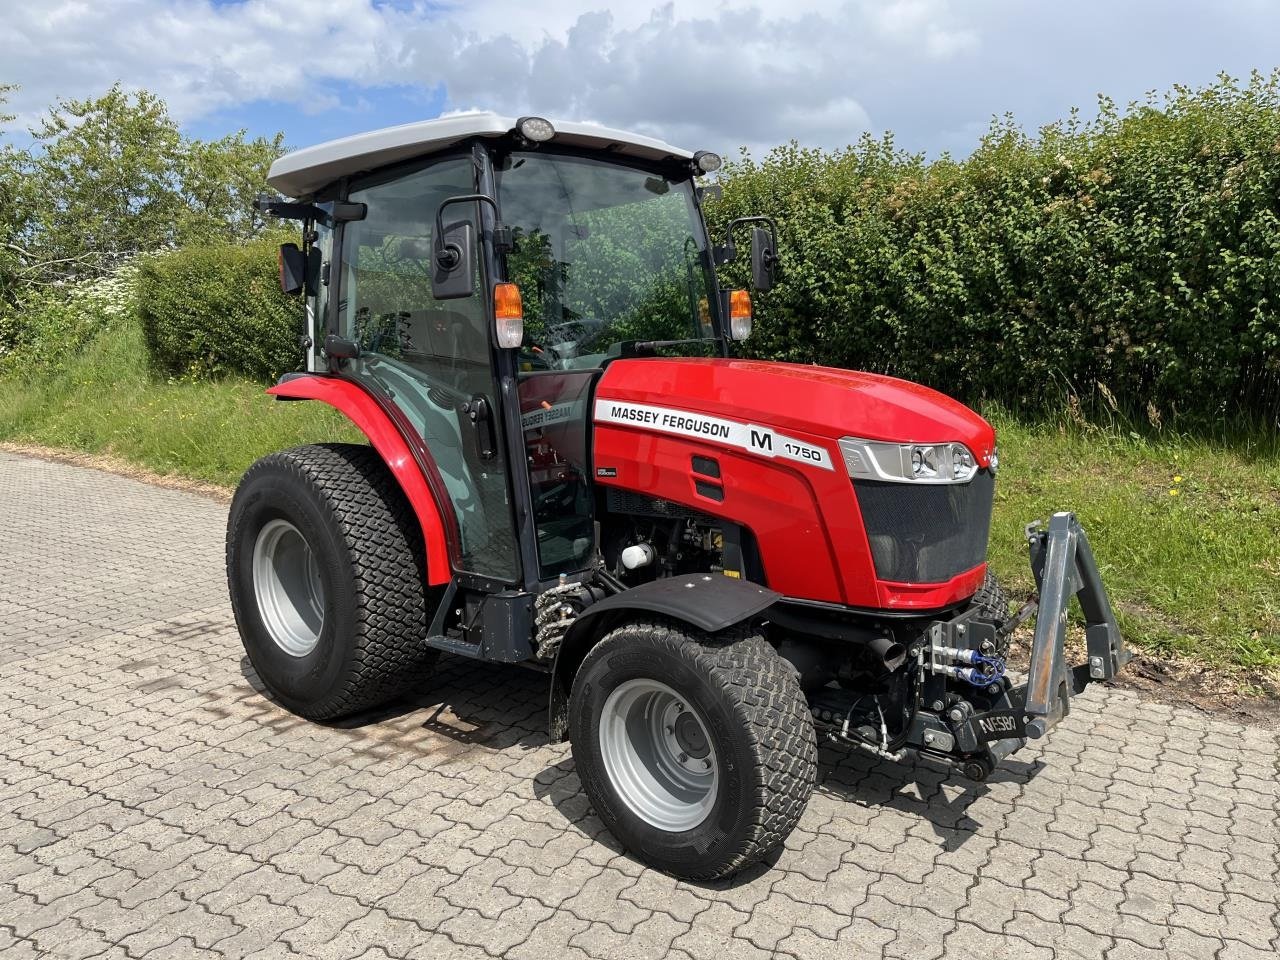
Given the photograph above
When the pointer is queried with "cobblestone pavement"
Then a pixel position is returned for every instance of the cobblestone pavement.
(154, 803)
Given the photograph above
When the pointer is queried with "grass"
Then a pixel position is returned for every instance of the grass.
(1186, 530)
(103, 401)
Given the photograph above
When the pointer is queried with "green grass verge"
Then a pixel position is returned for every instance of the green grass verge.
(1186, 531)
(103, 401)
(1193, 564)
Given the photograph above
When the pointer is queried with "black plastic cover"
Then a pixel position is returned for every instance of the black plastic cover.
(709, 601)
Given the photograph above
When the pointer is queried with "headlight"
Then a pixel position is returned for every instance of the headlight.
(909, 462)
(707, 162)
(535, 128)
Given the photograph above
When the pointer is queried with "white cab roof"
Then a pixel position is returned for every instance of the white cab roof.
(302, 172)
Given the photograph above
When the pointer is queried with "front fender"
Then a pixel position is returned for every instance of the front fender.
(707, 602)
(363, 410)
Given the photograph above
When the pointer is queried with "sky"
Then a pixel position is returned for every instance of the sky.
(703, 75)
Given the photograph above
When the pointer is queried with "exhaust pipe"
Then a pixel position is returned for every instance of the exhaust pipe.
(891, 653)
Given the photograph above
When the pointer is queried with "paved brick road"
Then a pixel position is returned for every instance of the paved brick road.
(153, 803)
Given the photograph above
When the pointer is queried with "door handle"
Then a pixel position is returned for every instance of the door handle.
(480, 415)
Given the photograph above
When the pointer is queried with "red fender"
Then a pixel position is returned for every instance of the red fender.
(362, 410)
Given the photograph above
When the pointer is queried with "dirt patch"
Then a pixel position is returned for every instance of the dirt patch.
(1231, 693)
(121, 467)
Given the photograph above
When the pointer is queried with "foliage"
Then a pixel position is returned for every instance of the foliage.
(58, 321)
(1131, 260)
(11, 215)
(219, 181)
(102, 182)
(216, 309)
(109, 178)
(103, 400)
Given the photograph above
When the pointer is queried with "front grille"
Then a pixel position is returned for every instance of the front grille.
(926, 533)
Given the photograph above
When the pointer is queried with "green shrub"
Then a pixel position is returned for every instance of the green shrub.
(210, 311)
(1133, 260)
(52, 323)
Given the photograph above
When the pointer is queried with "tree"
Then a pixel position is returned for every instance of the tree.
(12, 209)
(111, 177)
(105, 176)
(220, 179)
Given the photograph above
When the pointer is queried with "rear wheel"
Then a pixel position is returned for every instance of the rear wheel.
(697, 751)
(325, 566)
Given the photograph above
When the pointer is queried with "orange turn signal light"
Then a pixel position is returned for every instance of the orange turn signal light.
(508, 315)
(506, 302)
(739, 314)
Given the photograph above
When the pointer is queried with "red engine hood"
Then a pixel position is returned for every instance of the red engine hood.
(819, 401)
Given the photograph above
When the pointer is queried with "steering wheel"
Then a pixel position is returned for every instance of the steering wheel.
(541, 356)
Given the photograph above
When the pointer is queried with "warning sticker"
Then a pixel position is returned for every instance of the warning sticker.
(762, 441)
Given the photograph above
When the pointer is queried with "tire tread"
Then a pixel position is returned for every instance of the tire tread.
(773, 714)
(384, 541)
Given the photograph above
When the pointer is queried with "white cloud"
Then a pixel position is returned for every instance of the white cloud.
(758, 73)
(698, 73)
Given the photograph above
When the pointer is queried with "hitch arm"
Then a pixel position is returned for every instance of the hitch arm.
(1064, 566)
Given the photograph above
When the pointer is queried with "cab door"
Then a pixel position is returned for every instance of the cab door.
(431, 358)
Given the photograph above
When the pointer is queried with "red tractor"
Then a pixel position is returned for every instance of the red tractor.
(714, 560)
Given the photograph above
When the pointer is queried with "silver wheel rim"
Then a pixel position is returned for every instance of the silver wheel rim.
(658, 755)
(286, 581)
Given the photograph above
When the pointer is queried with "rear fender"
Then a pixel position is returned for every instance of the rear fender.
(707, 602)
(364, 411)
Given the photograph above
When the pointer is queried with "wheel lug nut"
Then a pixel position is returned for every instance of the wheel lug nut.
(670, 729)
(706, 764)
(684, 758)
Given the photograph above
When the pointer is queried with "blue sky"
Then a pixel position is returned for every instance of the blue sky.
(701, 74)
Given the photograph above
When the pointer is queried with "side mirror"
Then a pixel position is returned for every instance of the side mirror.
(451, 276)
(764, 250)
(293, 268)
(764, 258)
(451, 273)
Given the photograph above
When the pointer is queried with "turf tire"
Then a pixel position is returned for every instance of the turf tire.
(757, 718)
(991, 600)
(369, 551)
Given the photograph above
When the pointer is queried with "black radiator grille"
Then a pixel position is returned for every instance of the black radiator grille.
(926, 533)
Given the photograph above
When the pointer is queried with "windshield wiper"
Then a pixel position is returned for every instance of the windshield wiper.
(636, 348)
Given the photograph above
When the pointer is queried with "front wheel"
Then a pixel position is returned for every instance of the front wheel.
(697, 751)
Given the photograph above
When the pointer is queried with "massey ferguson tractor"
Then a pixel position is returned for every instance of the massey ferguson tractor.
(714, 560)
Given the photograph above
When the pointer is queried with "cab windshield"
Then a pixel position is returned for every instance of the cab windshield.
(605, 255)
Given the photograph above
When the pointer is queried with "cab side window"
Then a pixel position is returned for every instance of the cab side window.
(431, 357)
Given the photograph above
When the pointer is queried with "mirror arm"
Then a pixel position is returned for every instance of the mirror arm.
(728, 232)
(447, 255)
(328, 213)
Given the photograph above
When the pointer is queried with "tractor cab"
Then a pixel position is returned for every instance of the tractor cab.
(712, 558)
(479, 288)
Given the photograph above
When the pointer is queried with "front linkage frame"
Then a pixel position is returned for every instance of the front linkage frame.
(1063, 565)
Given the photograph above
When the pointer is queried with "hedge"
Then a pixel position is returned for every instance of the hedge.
(1134, 258)
(213, 310)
